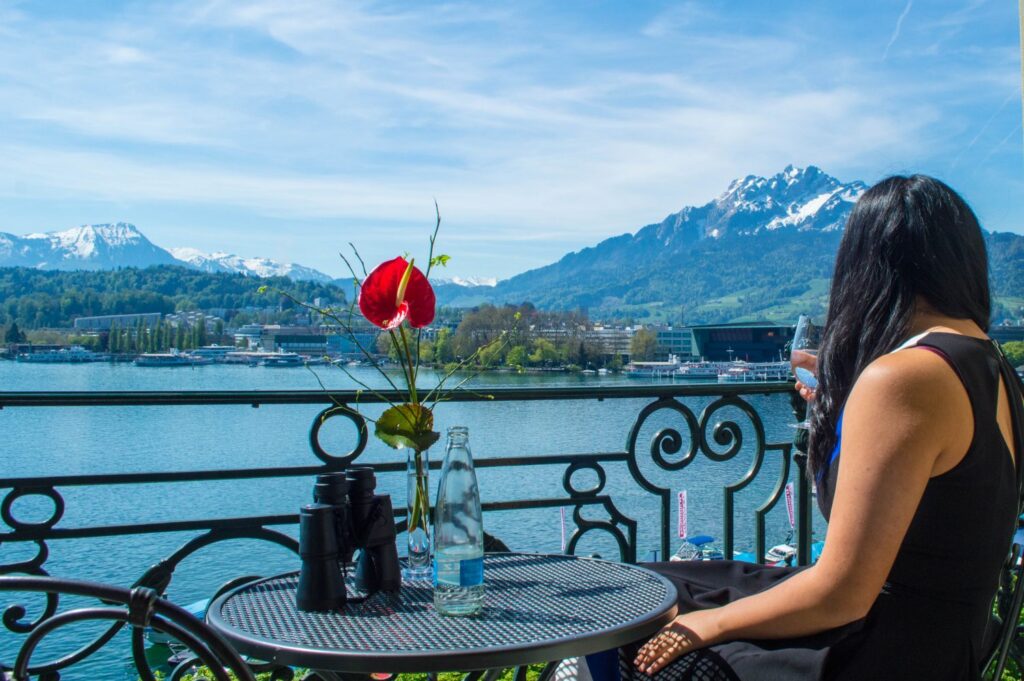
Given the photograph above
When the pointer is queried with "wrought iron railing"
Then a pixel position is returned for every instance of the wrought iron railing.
(670, 449)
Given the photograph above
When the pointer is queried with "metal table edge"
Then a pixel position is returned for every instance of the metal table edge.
(268, 650)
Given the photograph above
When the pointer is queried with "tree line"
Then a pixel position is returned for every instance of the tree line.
(37, 299)
(511, 335)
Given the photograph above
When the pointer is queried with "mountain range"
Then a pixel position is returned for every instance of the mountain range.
(764, 248)
(111, 246)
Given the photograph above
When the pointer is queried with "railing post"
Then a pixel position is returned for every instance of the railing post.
(803, 496)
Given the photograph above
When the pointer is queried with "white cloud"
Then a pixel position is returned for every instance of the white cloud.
(346, 111)
(896, 30)
(125, 54)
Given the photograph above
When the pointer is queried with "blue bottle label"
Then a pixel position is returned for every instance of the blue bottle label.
(471, 571)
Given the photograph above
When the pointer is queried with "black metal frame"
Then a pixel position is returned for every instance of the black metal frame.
(702, 434)
(139, 607)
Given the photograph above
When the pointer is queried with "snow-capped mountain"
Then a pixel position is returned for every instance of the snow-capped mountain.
(109, 246)
(259, 267)
(781, 228)
(804, 198)
(468, 282)
(89, 247)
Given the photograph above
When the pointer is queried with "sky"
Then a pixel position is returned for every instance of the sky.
(290, 128)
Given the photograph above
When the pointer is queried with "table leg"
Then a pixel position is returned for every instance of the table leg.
(321, 675)
(548, 672)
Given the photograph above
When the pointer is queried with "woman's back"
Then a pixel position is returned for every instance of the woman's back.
(923, 494)
(930, 619)
(933, 611)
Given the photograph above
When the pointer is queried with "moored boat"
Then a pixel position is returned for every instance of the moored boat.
(73, 354)
(643, 369)
(169, 359)
(746, 372)
(282, 359)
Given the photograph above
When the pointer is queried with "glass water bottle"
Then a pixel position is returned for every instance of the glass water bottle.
(458, 532)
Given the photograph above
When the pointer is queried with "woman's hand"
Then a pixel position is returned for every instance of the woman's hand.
(808, 362)
(805, 392)
(674, 639)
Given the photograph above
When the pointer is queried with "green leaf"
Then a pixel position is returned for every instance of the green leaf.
(261, 289)
(441, 260)
(407, 425)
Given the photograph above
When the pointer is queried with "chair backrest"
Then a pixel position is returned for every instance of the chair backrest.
(1006, 641)
(139, 608)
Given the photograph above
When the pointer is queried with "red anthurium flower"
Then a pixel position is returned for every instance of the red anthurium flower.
(394, 291)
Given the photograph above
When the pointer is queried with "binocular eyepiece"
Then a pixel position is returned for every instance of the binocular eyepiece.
(346, 516)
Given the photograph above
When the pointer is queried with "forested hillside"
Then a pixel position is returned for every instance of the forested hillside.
(47, 298)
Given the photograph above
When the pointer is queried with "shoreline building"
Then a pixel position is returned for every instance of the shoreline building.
(748, 341)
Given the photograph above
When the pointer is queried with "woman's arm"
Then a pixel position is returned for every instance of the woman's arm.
(907, 416)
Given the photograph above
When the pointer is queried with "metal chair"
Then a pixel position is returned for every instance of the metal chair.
(1008, 634)
(139, 607)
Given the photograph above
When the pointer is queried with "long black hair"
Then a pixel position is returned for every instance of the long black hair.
(907, 237)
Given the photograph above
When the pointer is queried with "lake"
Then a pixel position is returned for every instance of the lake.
(74, 441)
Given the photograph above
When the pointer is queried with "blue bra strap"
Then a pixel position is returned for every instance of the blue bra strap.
(835, 450)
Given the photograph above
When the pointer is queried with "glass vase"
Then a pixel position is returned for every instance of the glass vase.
(418, 565)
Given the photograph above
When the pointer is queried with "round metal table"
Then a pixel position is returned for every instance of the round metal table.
(537, 608)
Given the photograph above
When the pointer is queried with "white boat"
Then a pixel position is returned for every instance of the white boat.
(642, 369)
(243, 357)
(602, 372)
(700, 547)
(701, 370)
(169, 359)
(780, 554)
(282, 359)
(217, 353)
(747, 372)
(73, 354)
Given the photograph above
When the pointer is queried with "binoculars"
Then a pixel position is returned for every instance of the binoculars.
(346, 516)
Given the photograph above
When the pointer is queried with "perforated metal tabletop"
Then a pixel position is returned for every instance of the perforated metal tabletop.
(537, 608)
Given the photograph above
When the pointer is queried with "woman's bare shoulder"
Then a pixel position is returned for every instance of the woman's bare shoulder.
(910, 378)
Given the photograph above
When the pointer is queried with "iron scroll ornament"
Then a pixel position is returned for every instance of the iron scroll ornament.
(138, 608)
(729, 434)
(725, 434)
(362, 435)
(7, 508)
(156, 579)
(626, 544)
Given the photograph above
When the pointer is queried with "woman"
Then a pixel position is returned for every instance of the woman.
(913, 441)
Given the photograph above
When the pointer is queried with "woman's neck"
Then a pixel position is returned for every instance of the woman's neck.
(926, 318)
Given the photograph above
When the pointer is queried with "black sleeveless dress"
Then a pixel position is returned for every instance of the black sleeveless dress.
(931, 619)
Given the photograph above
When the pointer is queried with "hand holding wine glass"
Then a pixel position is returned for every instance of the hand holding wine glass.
(803, 356)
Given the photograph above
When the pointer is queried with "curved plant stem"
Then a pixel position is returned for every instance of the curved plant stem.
(418, 518)
(412, 369)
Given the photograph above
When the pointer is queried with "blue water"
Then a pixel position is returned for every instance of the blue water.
(67, 441)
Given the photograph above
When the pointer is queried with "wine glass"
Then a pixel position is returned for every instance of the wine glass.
(803, 354)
